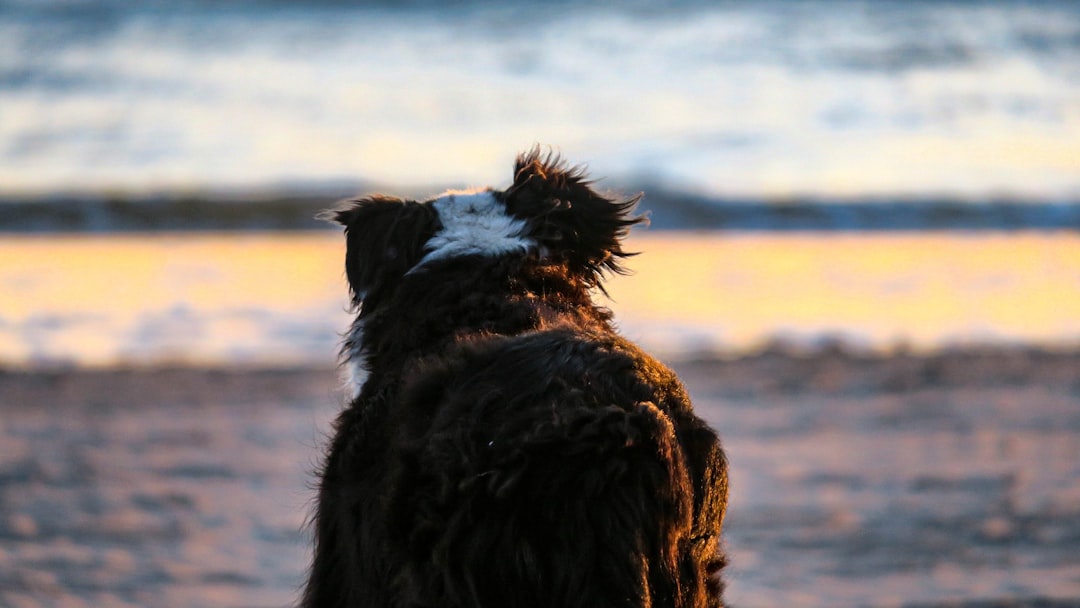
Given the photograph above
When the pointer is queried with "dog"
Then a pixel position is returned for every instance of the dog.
(504, 446)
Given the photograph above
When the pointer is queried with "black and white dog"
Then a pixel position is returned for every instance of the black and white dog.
(507, 448)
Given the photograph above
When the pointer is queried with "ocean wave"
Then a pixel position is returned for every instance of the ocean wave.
(739, 99)
(666, 209)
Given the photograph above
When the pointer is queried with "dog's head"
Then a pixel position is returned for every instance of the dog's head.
(550, 211)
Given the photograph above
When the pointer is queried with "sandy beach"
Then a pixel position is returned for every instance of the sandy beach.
(164, 400)
(908, 480)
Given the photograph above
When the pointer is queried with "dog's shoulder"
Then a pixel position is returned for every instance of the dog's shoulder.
(505, 384)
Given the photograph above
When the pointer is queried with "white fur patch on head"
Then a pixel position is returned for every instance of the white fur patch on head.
(475, 223)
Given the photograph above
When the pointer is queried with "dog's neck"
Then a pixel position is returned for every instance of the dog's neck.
(460, 300)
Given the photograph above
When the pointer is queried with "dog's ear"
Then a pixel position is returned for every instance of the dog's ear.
(384, 239)
(567, 217)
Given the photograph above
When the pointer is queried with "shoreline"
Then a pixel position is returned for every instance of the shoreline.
(280, 299)
(778, 370)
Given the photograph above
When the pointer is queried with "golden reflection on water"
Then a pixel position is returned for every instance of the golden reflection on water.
(134, 273)
(102, 288)
(922, 290)
(728, 291)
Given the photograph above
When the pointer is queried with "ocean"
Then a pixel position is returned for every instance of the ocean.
(764, 100)
(195, 119)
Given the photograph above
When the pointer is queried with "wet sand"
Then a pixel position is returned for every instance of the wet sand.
(944, 480)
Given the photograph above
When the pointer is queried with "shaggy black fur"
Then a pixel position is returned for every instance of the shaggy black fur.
(509, 449)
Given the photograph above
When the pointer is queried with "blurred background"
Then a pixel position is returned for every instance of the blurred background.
(863, 258)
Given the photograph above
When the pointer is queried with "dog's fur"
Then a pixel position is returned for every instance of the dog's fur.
(508, 448)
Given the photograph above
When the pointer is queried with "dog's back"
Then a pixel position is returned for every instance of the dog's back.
(508, 448)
